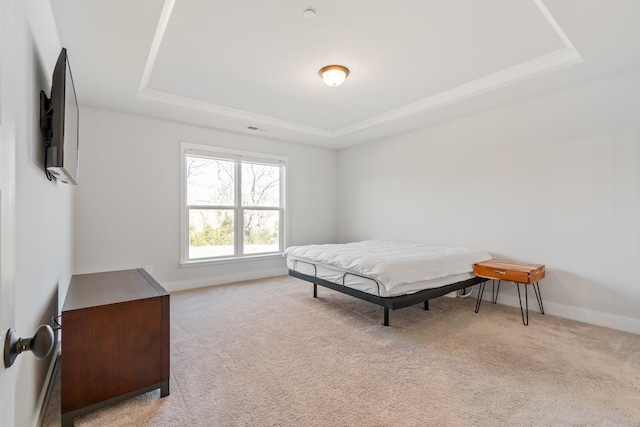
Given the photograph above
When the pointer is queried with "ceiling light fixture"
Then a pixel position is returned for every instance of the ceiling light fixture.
(334, 75)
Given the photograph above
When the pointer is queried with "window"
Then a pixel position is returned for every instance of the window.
(232, 204)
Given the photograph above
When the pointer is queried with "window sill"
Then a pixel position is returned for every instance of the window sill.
(217, 261)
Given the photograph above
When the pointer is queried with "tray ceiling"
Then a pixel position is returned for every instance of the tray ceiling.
(254, 64)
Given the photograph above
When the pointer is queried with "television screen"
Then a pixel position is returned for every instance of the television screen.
(60, 124)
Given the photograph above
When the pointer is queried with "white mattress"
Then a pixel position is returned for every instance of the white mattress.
(386, 268)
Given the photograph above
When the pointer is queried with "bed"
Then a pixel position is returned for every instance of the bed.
(387, 273)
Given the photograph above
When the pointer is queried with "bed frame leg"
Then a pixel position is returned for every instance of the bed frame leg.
(386, 317)
(315, 290)
(426, 305)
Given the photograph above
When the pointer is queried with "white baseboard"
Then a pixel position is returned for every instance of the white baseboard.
(46, 388)
(220, 280)
(625, 324)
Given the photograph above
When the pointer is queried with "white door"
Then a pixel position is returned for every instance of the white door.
(7, 208)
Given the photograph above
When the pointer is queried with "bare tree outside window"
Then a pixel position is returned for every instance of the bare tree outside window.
(260, 187)
(210, 181)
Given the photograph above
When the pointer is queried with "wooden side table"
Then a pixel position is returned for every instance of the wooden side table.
(511, 271)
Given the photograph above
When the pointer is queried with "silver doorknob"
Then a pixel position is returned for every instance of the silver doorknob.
(40, 344)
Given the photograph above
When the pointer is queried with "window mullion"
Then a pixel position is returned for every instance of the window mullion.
(239, 240)
(281, 237)
(212, 207)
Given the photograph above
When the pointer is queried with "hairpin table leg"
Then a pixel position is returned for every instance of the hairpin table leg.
(480, 292)
(536, 289)
(526, 300)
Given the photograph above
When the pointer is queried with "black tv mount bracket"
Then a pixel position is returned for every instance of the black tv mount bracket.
(45, 128)
(45, 118)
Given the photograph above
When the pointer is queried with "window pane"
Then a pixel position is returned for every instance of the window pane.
(210, 181)
(210, 233)
(261, 231)
(260, 185)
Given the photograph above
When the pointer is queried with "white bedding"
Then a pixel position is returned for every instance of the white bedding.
(397, 267)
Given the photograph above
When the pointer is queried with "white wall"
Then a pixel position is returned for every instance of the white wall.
(128, 202)
(554, 180)
(43, 210)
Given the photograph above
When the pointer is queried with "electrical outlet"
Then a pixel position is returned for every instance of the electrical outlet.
(148, 268)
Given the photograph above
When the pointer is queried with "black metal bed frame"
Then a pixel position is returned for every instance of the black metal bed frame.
(388, 303)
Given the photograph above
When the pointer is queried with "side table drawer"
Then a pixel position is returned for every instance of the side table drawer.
(509, 271)
(501, 273)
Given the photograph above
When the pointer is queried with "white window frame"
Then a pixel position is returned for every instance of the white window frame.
(187, 148)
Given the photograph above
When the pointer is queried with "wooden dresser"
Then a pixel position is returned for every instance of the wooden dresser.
(115, 340)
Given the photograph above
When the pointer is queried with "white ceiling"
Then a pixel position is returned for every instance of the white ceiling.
(235, 64)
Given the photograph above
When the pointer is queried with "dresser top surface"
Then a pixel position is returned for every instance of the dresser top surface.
(111, 287)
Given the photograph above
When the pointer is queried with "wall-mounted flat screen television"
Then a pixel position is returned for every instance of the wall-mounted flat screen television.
(59, 115)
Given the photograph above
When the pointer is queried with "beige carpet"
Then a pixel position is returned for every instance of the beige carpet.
(266, 353)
